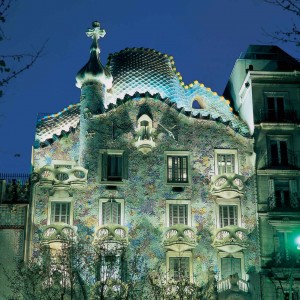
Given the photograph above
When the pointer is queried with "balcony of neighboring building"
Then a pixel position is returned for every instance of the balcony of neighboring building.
(283, 196)
(282, 117)
(286, 160)
(14, 188)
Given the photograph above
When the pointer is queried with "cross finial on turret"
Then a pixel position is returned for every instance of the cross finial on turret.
(95, 33)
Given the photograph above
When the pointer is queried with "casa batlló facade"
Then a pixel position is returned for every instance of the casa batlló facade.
(154, 183)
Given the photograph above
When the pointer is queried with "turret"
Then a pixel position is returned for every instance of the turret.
(93, 80)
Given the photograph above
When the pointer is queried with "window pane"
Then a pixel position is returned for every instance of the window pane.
(226, 163)
(177, 168)
(178, 214)
(114, 167)
(60, 212)
(179, 267)
(228, 215)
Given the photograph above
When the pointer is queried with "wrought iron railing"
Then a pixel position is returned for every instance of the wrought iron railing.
(290, 161)
(273, 116)
(21, 178)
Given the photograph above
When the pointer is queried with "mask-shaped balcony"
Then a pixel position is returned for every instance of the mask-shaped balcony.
(62, 177)
(111, 238)
(227, 186)
(58, 235)
(230, 239)
(145, 132)
(180, 238)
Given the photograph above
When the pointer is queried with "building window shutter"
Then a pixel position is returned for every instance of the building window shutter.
(125, 166)
(293, 194)
(111, 212)
(271, 194)
(104, 166)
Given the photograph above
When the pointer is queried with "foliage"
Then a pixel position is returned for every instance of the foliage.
(291, 35)
(12, 65)
(52, 274)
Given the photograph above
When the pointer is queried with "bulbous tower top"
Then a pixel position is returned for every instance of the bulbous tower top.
(94, 70)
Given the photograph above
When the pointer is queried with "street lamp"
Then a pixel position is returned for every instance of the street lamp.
(297, 240)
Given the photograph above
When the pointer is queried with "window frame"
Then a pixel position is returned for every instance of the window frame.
(178, 202)
(103, 154)
(226, 152)
(188, 167)
(118, 200)
(276, 95)
(279, 138)
(230, 202)
(53, 200)
(174, 254)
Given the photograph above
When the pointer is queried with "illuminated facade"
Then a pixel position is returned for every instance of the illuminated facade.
(158, 179)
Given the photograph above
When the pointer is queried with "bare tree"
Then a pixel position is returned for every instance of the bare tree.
(13, 64)
(292, 34)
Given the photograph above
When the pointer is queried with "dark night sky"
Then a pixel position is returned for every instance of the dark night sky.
(204, 37)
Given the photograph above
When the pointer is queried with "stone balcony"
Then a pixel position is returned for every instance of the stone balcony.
(58, 235)
(62, 177)
(111, 238)
(227, 186)
(180, 238)
(233, 283)
(230, 239)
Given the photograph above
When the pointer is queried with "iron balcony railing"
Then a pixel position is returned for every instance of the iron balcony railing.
(273, 116)
(14, 187)
(289, 161)
(20, 178)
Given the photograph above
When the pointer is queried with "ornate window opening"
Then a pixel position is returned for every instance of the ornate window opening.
(60, 212)
(228, 215)
(178, 214)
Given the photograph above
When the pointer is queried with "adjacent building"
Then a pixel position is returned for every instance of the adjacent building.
(264, 86)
